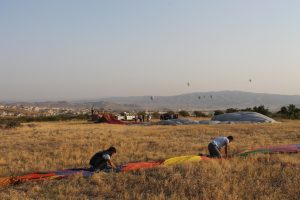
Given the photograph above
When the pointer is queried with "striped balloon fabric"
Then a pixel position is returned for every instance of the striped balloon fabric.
(167, 162)
(41, 176)
(290, 148)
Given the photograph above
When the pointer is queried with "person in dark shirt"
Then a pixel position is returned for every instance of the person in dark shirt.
(101, 161)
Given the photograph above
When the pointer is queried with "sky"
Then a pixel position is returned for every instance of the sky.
(76, 49)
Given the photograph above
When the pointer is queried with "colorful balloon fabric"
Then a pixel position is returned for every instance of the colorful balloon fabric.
(290, 148)
(139, 165)
(40, 176)
(181, 160)
(85, 172)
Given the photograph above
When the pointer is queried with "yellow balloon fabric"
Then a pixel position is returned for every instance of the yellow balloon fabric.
(181, 159)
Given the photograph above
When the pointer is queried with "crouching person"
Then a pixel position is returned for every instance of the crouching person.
(101, 161)
(215, 146)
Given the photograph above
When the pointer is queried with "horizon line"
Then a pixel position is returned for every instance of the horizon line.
(74, 100)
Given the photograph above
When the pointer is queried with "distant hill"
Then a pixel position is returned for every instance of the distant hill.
(191, 101)
(209, 100)
(105, 105)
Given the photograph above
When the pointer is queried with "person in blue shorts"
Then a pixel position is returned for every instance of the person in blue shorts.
(215, 146)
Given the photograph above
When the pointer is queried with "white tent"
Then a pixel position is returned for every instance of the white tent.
(228, 118)
(251, 117)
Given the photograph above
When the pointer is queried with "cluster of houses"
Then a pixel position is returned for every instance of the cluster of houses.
(34, 111)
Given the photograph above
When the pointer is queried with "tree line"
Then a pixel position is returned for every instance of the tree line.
(286, 112)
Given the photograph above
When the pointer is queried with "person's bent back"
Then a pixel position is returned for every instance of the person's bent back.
(101, 161)
(217, 144)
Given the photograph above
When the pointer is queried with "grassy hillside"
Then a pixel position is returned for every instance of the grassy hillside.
(60, 145)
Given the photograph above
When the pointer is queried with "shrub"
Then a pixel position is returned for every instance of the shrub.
(170, 112)
(262, 110)
(291, 112)
(199, 114)
(141, 113)
(218, 112)
(232, 110)
(283, 110)
(12, 124)
(184, 113)
(247, 109)
(156, 115)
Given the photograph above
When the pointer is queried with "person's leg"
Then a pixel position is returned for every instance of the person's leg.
(92, 169)
(107, 168)
(95, 170)
(214, 151)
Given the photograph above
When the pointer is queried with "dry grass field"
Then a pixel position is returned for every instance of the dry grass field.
(60, 145)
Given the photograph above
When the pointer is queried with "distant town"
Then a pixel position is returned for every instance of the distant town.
(20, 110)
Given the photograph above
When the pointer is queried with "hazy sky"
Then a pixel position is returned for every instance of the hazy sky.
(55, 50)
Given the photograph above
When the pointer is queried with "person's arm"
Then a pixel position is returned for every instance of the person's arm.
(107, 158)
(112, 164)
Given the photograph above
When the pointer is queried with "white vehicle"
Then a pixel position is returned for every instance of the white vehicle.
(129, 117)
(120, 117)
(126, 117)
